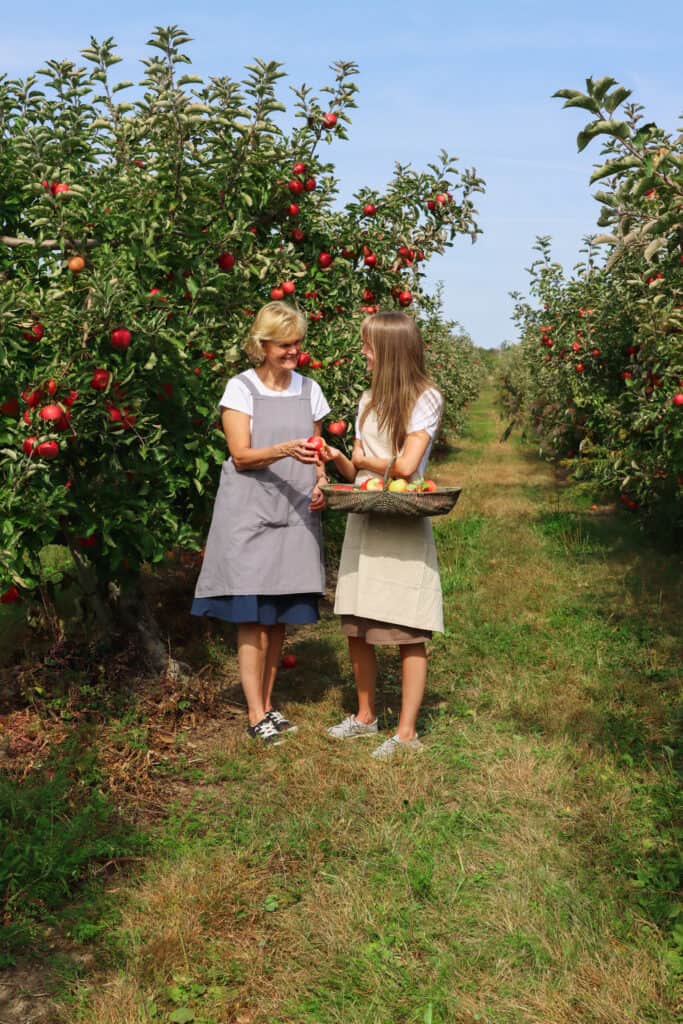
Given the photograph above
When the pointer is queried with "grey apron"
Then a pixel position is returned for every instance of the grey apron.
(263, 538)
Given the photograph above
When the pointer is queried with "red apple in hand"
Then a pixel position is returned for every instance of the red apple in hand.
(316, 442)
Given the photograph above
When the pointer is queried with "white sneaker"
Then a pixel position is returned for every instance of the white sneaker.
(395, 747)
(352, 729)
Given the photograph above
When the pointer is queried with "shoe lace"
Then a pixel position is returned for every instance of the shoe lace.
(265, 728)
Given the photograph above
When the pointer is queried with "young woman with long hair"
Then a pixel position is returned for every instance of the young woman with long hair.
(389, 590)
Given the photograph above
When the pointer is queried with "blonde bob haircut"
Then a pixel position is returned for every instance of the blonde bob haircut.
(399, 376)
(276, 321)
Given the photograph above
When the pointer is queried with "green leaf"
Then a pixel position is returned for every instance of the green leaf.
(616, 98)
(183, 1015)
(599, 88)
(613, 167)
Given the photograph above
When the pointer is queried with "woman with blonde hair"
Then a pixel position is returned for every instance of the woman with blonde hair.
(263, 565)
(389, 591)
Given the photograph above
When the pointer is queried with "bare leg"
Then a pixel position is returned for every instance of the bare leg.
(252, 647)
(365, 671)
(414, 678)
(276, 638)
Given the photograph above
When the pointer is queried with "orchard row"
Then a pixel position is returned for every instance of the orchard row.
(598, 373)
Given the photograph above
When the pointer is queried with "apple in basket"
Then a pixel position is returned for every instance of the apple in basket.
(373, 484)
(429, 485)
(398, 485)
(343, 487)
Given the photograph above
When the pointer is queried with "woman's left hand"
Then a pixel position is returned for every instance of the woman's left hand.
(317, 500)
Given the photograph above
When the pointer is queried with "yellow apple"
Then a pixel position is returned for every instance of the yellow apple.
(398, 485)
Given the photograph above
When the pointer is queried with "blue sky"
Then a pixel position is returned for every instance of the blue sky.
(474, 79)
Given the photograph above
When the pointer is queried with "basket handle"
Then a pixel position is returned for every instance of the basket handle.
(387, 471)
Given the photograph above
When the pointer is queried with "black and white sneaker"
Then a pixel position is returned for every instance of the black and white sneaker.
(281, 723)
(266, 732)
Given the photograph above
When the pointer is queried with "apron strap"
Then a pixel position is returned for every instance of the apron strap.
(243, 377)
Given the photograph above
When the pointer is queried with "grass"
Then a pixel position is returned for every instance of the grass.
(523, 869)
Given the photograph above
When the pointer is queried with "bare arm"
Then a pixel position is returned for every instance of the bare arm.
(237, 432)
(407, 462)
(342, 464)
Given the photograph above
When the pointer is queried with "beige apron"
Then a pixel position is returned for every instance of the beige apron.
(388, 569)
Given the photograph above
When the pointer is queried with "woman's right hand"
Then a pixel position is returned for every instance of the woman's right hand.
(301, 450)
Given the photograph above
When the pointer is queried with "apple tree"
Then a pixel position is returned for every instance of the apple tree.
(140, 228)
(598, 374)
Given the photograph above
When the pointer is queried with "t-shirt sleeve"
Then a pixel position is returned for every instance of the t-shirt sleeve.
(319, 405)
(427, 413)
(237, 396)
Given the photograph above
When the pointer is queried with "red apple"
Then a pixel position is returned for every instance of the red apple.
(120, 338)
(369, 209)
(48, 450)
(579, 367)
(298, 168)
(303, 359)
(10, 407)
(325, 260)
(293, 209)
(58, 187)
(337, 428)
(309, 184)
(316, 364)
(297, 235)
(276, 294)
(51, 413)
(428, 485)
(329, 120)
(370, 260)
(295, 187)
(405, 298)
(316, 442)
(368, 295)
(100, 380)
(405, 253)
(289, 661)
(29, 446)
(678, 398)
(226, 261)
(288, 287)
(10, 596)
(36, 333)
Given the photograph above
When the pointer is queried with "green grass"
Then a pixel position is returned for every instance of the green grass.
(523, 869)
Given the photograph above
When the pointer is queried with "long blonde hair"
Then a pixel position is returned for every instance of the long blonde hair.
(399, 376)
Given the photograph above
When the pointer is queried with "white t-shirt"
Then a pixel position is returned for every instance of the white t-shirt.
(238, 396)
(426, 415)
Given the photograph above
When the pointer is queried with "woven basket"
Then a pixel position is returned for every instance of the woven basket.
(393, 503)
